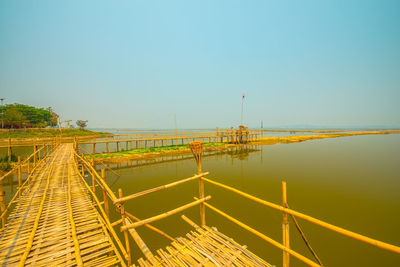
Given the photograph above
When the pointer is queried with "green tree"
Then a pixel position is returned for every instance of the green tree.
(81, 124)
(53, 121)
(13, 116)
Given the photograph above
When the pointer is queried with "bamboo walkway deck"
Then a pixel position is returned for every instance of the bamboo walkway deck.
(55, 222)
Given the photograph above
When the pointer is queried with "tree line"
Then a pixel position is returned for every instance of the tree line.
(24, 116)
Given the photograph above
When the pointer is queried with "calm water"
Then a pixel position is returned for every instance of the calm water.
(352, 182)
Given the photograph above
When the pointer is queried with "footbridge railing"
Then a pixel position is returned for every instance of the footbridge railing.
(30, 164)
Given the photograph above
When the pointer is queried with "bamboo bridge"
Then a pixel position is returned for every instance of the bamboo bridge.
(56, 218)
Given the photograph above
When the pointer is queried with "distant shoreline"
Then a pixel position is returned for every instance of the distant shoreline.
(118, 157)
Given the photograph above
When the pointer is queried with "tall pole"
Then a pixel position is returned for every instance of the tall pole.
(241, 120)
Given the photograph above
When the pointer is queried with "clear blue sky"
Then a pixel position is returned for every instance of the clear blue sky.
(136, 63)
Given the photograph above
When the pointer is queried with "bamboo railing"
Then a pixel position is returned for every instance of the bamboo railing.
(286, 211)
(35, 159)
(143, 141)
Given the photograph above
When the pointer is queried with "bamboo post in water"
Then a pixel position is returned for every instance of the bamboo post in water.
(19, 176)
(285, 227)
(103, 176)
(9, 149)
(2, 205)
(197, 150)
(126, 236)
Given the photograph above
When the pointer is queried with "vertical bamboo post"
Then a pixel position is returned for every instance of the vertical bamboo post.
(197, 150)
(103, 176)
(126, 236)
(108, 147)
(29, 167)
(19, 175)
(94, 148)
(285, 227)
(93, 178)
(2, 204)
(34, 155)
(40, 151)
(9, 151)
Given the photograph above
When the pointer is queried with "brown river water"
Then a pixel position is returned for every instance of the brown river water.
(352, 182)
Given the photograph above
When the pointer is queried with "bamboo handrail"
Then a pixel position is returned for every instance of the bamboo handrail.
(101, 162)
(162, 187)
(27, 179)
(164, 215)
(262, 236)
(36, 222)
(323, 224)
(20, 164)
(99, 179)
(104, 217)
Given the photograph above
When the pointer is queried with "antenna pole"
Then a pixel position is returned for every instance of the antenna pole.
(241, 121)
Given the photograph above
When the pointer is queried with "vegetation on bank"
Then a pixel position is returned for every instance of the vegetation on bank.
(24, 116)
(152, 150)
(46, 132)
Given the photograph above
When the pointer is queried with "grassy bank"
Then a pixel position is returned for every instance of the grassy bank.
(142, 151)
(45, 133)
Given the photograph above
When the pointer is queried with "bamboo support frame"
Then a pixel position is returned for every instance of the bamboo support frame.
(323, 224)
(145, 192)
(164, 215)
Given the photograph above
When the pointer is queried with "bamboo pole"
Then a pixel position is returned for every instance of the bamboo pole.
(103, 176)
(197, 149)
(122, 212)
(2, 205)
(136, 219)
(9, 151)
(285, 228)
(145, 192)
(323, 224)
(19, 176)
(165, 214)
(143, 247)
